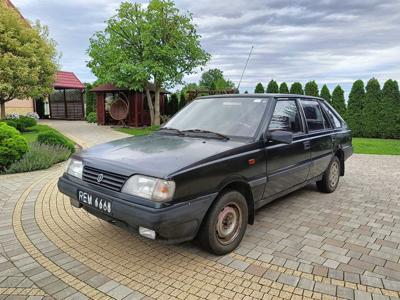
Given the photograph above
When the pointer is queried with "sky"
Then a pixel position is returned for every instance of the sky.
(332, 42)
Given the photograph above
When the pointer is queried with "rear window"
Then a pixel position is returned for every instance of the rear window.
(334, 119)
(314, 116)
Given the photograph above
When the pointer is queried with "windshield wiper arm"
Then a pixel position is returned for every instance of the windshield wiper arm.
(172, 129)
(220, 135)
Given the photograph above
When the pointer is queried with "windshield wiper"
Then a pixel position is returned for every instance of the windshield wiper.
(172, 129)
(216, 134)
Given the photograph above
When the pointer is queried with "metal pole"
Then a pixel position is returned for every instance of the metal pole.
(245, 66)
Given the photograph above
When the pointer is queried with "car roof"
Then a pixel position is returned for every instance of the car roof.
(266, 95)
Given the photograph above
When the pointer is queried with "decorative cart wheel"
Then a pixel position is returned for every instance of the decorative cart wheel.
(119, 110)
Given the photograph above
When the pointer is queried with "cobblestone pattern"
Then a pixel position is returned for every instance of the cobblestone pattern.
(306, 245)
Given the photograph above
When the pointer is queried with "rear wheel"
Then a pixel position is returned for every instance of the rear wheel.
(330, 179)
(225, 223)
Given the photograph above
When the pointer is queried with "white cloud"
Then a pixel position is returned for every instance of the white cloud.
(329, 41)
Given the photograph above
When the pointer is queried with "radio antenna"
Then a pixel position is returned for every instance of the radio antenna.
(245, 66)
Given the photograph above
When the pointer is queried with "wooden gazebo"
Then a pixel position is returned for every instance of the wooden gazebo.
(66, 102)
(138, 114)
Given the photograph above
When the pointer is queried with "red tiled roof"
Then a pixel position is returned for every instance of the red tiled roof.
(67, 80)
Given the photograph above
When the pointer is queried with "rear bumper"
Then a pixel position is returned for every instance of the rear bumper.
(178, 222)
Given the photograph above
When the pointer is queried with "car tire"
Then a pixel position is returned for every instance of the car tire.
(225, 224)
(330, 179)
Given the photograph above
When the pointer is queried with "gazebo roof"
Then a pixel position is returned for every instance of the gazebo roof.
(109, 87)
(67, 80)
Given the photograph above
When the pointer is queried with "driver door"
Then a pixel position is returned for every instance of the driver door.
(287, 164)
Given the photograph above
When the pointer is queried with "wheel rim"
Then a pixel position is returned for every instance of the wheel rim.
(229, 223)
(334, 174)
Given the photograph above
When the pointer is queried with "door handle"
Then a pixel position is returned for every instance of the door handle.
(307, 145)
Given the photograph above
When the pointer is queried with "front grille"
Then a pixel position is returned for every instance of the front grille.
(110, 181)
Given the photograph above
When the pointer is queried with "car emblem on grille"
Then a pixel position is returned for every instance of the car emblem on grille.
(100, 178)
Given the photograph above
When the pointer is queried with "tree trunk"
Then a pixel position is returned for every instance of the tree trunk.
(3, 110)
(150, 104)
(157, 104)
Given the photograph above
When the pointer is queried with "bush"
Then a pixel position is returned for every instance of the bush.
(21, 123)
(12, 145)
(39, 156)
(91, 117)
(32, 115)
(26, 122)
(12, 123)
(12, 116)
(55, 138)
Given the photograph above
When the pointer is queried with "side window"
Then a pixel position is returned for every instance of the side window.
(327, 122)
(335, 121)
(286, 117)
(314, 116)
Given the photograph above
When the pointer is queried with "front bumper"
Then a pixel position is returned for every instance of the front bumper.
(176, 223)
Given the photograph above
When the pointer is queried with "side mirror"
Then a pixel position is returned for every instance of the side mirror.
(280, 136)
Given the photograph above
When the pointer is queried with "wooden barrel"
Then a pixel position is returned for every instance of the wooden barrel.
(119, 109)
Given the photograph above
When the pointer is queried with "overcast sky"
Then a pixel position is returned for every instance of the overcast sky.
(333, 42)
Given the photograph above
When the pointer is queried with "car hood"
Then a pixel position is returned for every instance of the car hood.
(158, 155)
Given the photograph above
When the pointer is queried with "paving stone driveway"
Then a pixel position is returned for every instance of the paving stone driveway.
(305, 245)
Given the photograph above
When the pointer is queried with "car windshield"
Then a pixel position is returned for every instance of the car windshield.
(226, 116)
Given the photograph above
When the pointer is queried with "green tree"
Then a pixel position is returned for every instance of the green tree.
(213, 79)
(355, 107)
(371, 111)
(173, 104)
(390, 110)
(283, 88)
(338, 101)
(90, 99)
(272, 87)
(326, 94)
(296, 88)
(28, 58)
(147, 44)
(190, 87)
(259, 88)
(182, 100)
(311, 88)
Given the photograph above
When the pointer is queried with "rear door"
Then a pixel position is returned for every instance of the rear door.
(287, 165)
(320, 136)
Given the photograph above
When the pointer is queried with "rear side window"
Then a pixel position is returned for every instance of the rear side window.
(314, 117)
(286, 117)
(334, 120)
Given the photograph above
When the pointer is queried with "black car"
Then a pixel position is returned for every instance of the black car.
(207, 170)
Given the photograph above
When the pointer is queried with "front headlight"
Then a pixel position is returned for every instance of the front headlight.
(150, 188)
(75, 168)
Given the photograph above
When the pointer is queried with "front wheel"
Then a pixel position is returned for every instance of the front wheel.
(330, 179)
(225, 223)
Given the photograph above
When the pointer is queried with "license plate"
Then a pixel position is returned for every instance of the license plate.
(95, 201)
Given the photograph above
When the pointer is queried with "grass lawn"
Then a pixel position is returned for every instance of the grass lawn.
(376, 146)
(138, 131)
(33, 132)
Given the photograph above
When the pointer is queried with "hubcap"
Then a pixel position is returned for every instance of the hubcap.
(334, 174)
(229, 223)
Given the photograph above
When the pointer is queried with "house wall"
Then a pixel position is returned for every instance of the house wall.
(19, 106)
